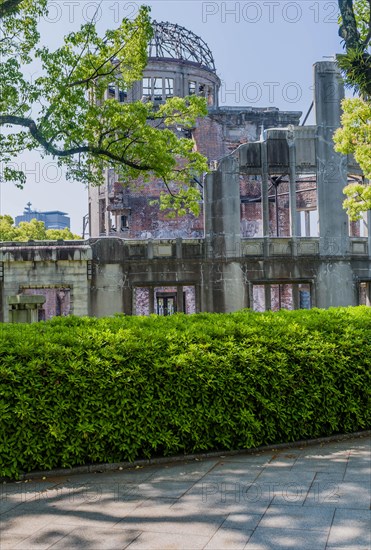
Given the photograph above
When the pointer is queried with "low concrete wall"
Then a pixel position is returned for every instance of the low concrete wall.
(102, 275)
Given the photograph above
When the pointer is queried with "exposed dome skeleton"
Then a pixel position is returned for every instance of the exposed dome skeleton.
(176, 42)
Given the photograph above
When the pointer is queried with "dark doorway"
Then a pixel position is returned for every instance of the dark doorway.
(165, 304)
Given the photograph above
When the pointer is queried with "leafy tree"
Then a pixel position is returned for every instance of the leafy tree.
(66, 110)
(354, 137)
(64, 234)
(8, 232)
(33, 230)
(355, 30)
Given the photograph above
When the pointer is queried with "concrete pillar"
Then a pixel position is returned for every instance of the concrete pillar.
(267, 297)
(334, 284)
(222, 210)
(107, 217)
(179, 300)
(224, 285)
(295, 297)
(292, 189)
(127, 298)
(179, 250)
(265, 185)
(151, 300)
(93, 211)
(331, 166)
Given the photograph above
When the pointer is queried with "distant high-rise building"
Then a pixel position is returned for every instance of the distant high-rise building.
(53, 219)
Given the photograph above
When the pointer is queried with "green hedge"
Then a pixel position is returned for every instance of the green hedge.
(81, 390)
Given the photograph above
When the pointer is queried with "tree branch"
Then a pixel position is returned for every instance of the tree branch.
(96, 72)
(168, 188)
(348, 30)
(368, 37)
(8, 7)
(95, 151)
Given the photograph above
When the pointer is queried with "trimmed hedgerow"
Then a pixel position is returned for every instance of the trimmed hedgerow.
(82, 390)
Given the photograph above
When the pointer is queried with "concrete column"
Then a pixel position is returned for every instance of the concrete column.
(179, 250)
(267, 297)
(292, 190)
(222, 210)
(179, 299)
(127, 298)
(292, 197)
(334, 284)
(93, 211)
(198, 292)
(106, 213)
(224, 278)
(295, 296)
(150, 249)
(331, 166)
(151, 300)
(265, 185)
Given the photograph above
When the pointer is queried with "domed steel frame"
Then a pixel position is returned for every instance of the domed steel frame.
(176, 42)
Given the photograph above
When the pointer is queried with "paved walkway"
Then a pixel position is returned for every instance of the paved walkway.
(311, 498)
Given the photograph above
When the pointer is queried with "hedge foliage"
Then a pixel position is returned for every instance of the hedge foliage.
(75, 391)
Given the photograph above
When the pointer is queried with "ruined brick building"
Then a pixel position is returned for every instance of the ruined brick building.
(181, 64)
(272, 231)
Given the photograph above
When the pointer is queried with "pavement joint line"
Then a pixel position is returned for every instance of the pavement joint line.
(329, 531)
(107, 467)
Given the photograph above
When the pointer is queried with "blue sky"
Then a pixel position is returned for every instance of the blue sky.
(263, 50)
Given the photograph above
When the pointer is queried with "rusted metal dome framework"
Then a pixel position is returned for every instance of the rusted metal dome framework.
(175, 42)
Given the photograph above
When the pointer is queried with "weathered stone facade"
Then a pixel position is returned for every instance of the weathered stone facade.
(128, 211)
(110, 275)
(57, 271)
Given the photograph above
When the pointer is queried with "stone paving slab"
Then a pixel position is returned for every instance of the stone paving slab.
(231, 539)
(286, 539)
(350, 494)
(242, 521)
(165, 541)
(162, 517)
(43, 538)
(298, 518)
(358, 471)
(310, 498)
(102, 539)
(350, 528)
(184, 472)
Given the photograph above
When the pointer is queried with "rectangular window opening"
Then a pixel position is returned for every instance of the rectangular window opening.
(157, 89)
(164, 300)
(57, 301)
(124, 221)
(192, 87)
(251, 207)
(147, 87)
(202, 90)
(359, 228)
(278, 296)
(169, 87)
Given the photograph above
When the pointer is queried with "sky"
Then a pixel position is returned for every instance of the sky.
(263, 51)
